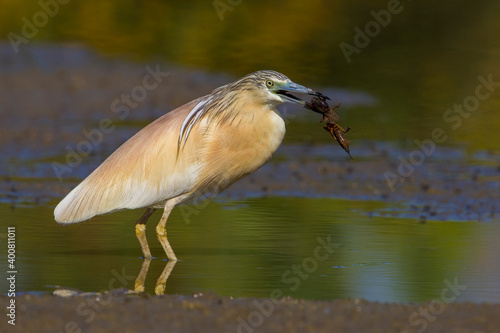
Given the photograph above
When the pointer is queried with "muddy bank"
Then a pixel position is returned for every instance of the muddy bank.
(210, 313)
(448, 187)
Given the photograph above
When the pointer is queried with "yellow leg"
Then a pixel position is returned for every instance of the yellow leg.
(161, 230)
(140, 232)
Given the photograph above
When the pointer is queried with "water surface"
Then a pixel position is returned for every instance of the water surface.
(252, 247)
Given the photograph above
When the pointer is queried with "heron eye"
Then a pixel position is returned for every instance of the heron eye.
(269, 83)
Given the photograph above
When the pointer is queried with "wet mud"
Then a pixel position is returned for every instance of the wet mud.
(118, 312)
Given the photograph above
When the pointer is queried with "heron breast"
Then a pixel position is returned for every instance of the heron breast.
(240, 146)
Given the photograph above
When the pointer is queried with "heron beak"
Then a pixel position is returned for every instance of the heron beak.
(286, 90)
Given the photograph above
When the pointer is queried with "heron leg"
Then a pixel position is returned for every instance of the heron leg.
(140, 232)
(161, 230)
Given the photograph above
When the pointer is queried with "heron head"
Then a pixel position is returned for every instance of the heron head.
(277, 88)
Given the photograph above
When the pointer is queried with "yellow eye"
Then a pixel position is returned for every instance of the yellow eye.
(269, 83)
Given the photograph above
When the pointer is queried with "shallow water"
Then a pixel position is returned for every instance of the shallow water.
(250, 248)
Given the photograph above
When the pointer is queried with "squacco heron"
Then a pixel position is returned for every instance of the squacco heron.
(197, 149)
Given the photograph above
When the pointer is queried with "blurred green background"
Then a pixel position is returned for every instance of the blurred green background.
(427, 58)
